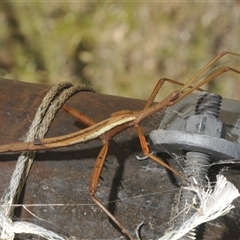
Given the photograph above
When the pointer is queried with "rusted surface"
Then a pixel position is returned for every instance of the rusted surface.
(62, 176)
(133, 190)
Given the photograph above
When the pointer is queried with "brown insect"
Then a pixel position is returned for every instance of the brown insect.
(117, 123)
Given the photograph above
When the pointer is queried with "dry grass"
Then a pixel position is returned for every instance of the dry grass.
(120, 48)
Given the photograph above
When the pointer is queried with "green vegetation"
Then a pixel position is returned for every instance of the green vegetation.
(119, 48)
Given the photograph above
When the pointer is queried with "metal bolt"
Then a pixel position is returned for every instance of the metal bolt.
(204, 121)
(203, 125)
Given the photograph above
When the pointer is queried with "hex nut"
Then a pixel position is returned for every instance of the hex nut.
(206, 125)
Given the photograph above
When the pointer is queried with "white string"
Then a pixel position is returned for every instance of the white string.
(46, 112)
(214, 203)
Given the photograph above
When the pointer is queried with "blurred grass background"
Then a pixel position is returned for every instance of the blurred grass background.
(119, 48)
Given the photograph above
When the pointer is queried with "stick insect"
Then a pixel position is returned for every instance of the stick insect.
(117, 123)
